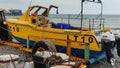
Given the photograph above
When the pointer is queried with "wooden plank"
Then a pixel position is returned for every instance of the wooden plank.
(13, 44)
(26, 49)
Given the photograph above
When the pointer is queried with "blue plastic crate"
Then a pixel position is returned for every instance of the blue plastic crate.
(63, 26)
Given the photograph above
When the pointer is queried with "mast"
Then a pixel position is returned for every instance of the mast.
(81, 13)
(95, 1)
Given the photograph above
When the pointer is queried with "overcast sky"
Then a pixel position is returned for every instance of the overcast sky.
(65, 6)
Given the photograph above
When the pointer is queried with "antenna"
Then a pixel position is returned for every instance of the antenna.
(28, 7)
(30, 3)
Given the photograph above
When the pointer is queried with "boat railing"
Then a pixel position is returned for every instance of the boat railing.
(91, 23)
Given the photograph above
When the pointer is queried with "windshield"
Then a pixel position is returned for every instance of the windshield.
(39, 11)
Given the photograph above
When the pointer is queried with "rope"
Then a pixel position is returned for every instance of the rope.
(12, 62)
(4, 29)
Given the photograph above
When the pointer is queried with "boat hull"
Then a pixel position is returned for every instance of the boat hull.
(60, 48)
(56, 36)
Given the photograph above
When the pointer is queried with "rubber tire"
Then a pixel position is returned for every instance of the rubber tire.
(38, 45)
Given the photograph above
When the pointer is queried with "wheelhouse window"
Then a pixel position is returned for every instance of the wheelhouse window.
(42, 11)
(34, 10)
(39, 11)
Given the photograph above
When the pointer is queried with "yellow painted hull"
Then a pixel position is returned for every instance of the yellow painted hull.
(22, 29)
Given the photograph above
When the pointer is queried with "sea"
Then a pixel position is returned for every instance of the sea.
(109, 21)
(89, 20)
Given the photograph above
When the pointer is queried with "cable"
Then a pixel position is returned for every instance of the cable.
(9, 33)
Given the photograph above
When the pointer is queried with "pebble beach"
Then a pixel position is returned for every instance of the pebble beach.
(27, 56)
(12, 50)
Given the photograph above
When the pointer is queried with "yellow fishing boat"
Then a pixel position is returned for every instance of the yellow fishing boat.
(34, 25)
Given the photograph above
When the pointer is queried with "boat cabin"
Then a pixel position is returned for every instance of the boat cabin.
(38, 16)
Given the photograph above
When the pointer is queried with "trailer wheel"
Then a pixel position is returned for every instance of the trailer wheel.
(43, 45)
(39, 46)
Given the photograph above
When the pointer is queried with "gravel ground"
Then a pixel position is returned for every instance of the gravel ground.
(104, 64)
(24, 55)
(11, 50)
